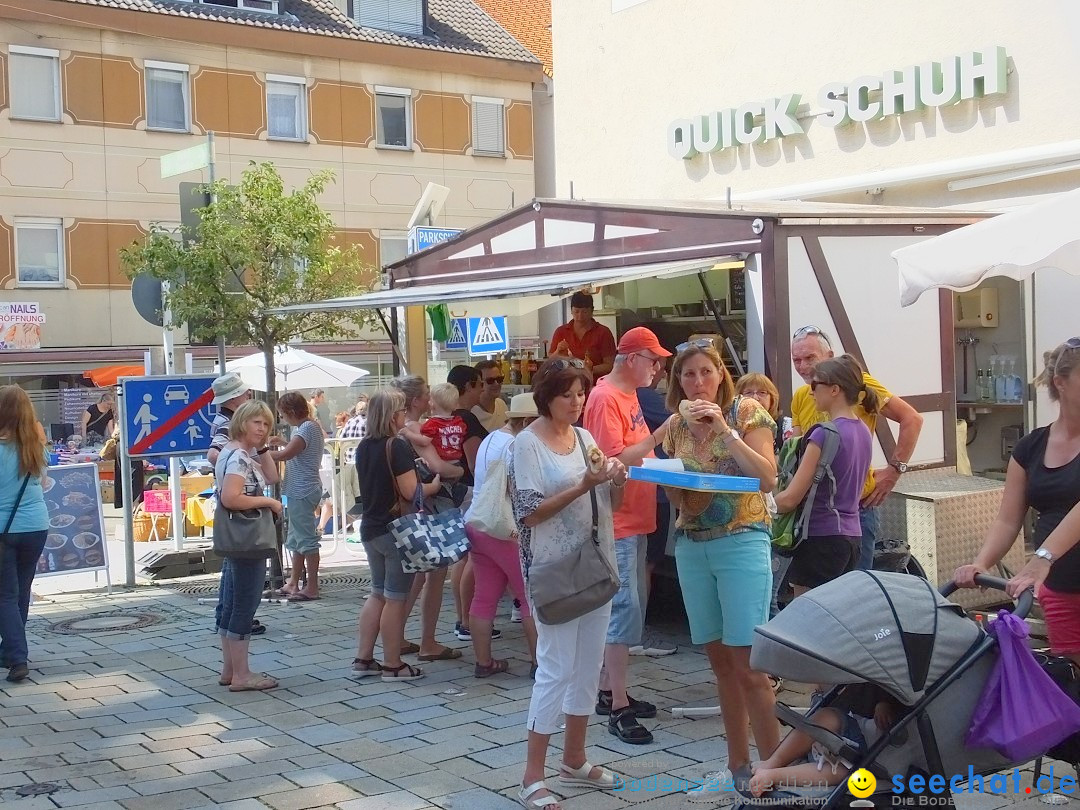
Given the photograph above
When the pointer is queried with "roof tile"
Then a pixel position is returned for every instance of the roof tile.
(530, 23)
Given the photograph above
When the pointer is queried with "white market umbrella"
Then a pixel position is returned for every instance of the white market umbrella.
(295, 369)
(1015, 244)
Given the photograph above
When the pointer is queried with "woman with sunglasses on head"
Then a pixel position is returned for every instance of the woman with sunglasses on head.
(723, 546)
(550, 486)
(834, 538)
(1044, 475)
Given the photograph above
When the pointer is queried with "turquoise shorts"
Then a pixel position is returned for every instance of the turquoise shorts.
(726, 585)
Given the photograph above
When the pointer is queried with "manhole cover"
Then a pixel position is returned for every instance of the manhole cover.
(109, 622)
(208, 586)
(37, 789)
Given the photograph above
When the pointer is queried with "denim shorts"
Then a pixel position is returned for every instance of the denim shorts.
(239, 595)
(628, 605)
(388, 579)
(726, 585)
(303, 536)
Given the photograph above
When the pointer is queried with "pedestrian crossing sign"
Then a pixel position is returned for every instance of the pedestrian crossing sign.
(488, 335)
(457, 340)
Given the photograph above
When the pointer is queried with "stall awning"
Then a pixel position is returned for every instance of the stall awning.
(511, 296)
(107, 375)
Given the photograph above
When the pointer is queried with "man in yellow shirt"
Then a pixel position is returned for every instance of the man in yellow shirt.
(809, 346)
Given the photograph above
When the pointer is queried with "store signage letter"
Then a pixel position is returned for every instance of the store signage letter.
(868, 98)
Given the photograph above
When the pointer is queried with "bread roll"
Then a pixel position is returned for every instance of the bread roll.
(597, 460)
(684, 409)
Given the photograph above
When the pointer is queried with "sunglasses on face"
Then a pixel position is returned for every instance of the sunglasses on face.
(494, 380)
(653, 361)
(803, 331)
(816, 383)
(700, 343)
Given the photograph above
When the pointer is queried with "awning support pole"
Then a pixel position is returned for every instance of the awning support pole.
(391, 332)
(710, 304)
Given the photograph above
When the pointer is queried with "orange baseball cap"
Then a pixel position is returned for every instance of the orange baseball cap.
(640, 339)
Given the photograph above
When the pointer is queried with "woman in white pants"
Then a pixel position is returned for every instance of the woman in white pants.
(550, 485)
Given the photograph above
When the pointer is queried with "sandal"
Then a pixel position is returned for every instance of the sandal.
(363, 667)
(642, 710)
(777, 684)
(494, 668)
(624, 725)
(446, 654)
(408, 648)
(411, 673)
(581, 777)
(525, 797)
(260, 684)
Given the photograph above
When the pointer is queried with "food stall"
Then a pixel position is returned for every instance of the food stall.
(756, 272)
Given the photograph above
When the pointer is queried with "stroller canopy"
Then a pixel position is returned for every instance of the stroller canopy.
(891, 630)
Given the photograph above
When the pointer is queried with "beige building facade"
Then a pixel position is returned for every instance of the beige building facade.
(92, 95)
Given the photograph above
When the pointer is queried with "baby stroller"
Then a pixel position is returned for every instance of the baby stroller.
(873, 630)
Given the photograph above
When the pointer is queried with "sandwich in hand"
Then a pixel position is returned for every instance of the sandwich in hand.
(686, 405)
(597, 460)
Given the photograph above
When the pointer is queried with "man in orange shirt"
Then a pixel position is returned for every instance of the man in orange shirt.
(613, 417)
(585, 338)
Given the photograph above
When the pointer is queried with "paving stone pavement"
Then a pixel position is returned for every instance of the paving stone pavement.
(135, 718)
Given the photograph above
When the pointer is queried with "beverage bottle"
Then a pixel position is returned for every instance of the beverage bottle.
(534, 365)
(980, 386)
(515, 371)
(504, 365)
(1016, 385)
(526, 369)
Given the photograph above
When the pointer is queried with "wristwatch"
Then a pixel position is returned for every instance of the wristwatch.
(1044, 554)
(731, 434)
(899, 466)
(264, 450)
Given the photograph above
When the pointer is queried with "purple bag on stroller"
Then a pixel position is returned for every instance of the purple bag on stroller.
(1022, 712)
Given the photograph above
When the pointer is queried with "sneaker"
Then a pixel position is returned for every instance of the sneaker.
(515, 613)
(654, 648)
(464, 634)
(717, 789)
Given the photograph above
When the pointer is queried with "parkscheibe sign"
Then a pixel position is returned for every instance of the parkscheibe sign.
(868, 98)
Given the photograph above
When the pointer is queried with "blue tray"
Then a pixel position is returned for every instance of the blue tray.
(703, 482)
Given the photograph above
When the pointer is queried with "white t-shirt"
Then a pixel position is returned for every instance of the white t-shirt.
(537, 473)
(494, 445)
(494, 420)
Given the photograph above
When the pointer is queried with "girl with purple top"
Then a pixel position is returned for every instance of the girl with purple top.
(832, 545)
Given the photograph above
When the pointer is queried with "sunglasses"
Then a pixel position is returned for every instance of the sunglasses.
(816, 383)
(1072, 343)
(700, 343)
(567, 362)
(494, 380)
(653, 361)
(803, 331)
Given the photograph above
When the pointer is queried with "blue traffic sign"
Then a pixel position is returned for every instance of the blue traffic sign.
(168, 416)
(421, 238)
(488, 335)
(458, 330)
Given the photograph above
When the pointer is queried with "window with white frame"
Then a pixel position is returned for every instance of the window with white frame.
(34, 83)
(39, 252)
(286, 107)
(393, 117)
(393, 247)
(167, 106)
(400, 16)
(488, 126)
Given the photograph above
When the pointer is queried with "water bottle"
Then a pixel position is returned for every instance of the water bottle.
(1001, 381)
(1016, 385)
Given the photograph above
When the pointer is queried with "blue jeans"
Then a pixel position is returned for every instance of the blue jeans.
(239, 596)
(870, 521)
(19, 553)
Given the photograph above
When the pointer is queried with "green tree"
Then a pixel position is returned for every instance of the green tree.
(257, 247)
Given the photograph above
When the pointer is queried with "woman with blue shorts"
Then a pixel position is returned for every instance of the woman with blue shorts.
(723, 547)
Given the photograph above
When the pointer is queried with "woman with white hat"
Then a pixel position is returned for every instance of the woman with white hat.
(495, 561)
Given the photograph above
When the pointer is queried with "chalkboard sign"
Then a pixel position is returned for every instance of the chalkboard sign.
(736, 291)
(76, 538)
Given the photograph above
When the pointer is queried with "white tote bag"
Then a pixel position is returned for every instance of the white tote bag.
(491, 512)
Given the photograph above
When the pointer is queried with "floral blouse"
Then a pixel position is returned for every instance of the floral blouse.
(717, 514)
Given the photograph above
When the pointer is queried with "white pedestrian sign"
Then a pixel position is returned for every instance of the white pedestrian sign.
(457, 339)
(168, 416)
(488, 335)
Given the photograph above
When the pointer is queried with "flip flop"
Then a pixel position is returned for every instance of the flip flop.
(301, 597)
(260, 684)
(447, 654)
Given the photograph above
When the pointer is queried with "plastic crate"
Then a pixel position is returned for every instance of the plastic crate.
(160, 502)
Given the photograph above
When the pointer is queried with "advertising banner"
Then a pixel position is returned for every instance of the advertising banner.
(20, 326)
(76, 539)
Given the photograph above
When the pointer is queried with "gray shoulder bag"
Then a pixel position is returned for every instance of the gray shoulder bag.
(567, 589)
(246, 534)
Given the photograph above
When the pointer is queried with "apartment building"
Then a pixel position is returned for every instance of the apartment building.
(389, 94)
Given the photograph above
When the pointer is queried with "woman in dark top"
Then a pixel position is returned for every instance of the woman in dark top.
(385, 467)
(1044, 475)
(98, 419)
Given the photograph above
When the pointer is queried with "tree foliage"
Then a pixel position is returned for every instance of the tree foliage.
(257, 247)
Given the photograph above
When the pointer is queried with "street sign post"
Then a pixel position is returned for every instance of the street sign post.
(421, 237)
(488, 335)
(168, 415)
(192, 159)
(457, 339)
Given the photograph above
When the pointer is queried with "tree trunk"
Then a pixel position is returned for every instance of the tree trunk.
(277, 573)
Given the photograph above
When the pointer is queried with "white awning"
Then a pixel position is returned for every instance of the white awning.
(510, 296)
(1015, 244)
